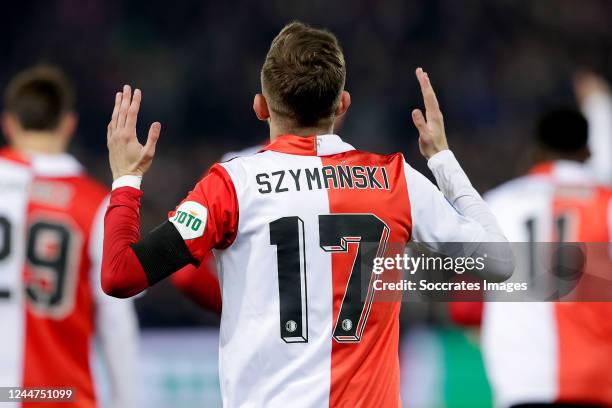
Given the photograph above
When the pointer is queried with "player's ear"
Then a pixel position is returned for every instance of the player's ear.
(345, 102)
(584, 154)
(68, 125)
(260, 106)
(9, 126)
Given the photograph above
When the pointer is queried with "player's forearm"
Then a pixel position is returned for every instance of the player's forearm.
(122, 274)
(200, 284)
(598, 110)
(456, 187)
(468, 314)
(458, 190)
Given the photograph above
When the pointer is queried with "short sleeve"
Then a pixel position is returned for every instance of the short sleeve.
(208, 217)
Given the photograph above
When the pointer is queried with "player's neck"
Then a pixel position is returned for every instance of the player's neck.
(276, 131)
(32, 142)
(542, 155)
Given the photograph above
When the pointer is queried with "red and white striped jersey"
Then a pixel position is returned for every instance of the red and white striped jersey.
(286, 225)
(57, 308)
(555, 351)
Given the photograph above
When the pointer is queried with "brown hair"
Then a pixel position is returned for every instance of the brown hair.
(303, 75)
(38, 97)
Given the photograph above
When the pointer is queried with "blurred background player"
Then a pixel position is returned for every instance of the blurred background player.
(556, 353)
(58, 310)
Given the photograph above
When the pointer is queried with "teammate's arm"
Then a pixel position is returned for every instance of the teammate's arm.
(201, 284)
(595, 98)
(116, 327)
(454, 220)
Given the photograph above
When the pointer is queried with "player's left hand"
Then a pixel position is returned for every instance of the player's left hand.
(432, 136)
(126, 155)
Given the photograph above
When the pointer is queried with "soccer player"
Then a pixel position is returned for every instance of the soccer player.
(287, 224)
(555, 353)
(53, 308)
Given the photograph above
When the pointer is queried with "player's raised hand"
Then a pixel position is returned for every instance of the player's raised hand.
(432, 137)
(588, 84)
(126, 154)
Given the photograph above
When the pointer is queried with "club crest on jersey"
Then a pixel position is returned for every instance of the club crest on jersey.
(291, 326)
(190, 219)
(347, 324)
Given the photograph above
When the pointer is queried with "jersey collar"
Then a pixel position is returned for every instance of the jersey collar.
(565, 171)
(55, 165)
(46, 165)
(542, 169)
(319, 145)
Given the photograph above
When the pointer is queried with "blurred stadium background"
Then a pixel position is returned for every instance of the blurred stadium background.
(495, 64)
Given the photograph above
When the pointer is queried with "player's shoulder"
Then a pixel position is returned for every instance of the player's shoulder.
(90, 198)
(249, 151)
(10, 157)
(87, 188)
(604, 188)
(376, 158)
(238, 168)
(260, 158)
(604, 192)
(518, 188)
(234, 163)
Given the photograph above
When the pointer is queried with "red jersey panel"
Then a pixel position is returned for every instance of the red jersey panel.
(60, 308)
(585, 326)
(373, 367)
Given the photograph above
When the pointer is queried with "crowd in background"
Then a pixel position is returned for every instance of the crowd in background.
(496, 66)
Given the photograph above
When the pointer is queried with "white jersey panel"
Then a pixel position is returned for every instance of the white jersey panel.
(521, 352)
(519, 339)
(258, 368)
(14, 188)
(520, 201)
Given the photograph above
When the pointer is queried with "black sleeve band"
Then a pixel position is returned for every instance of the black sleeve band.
(162, 252)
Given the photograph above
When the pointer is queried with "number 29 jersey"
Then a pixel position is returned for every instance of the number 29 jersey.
(286, 225)
(53, 308)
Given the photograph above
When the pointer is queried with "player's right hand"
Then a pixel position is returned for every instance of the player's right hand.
(432, 137)
(126, 155)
